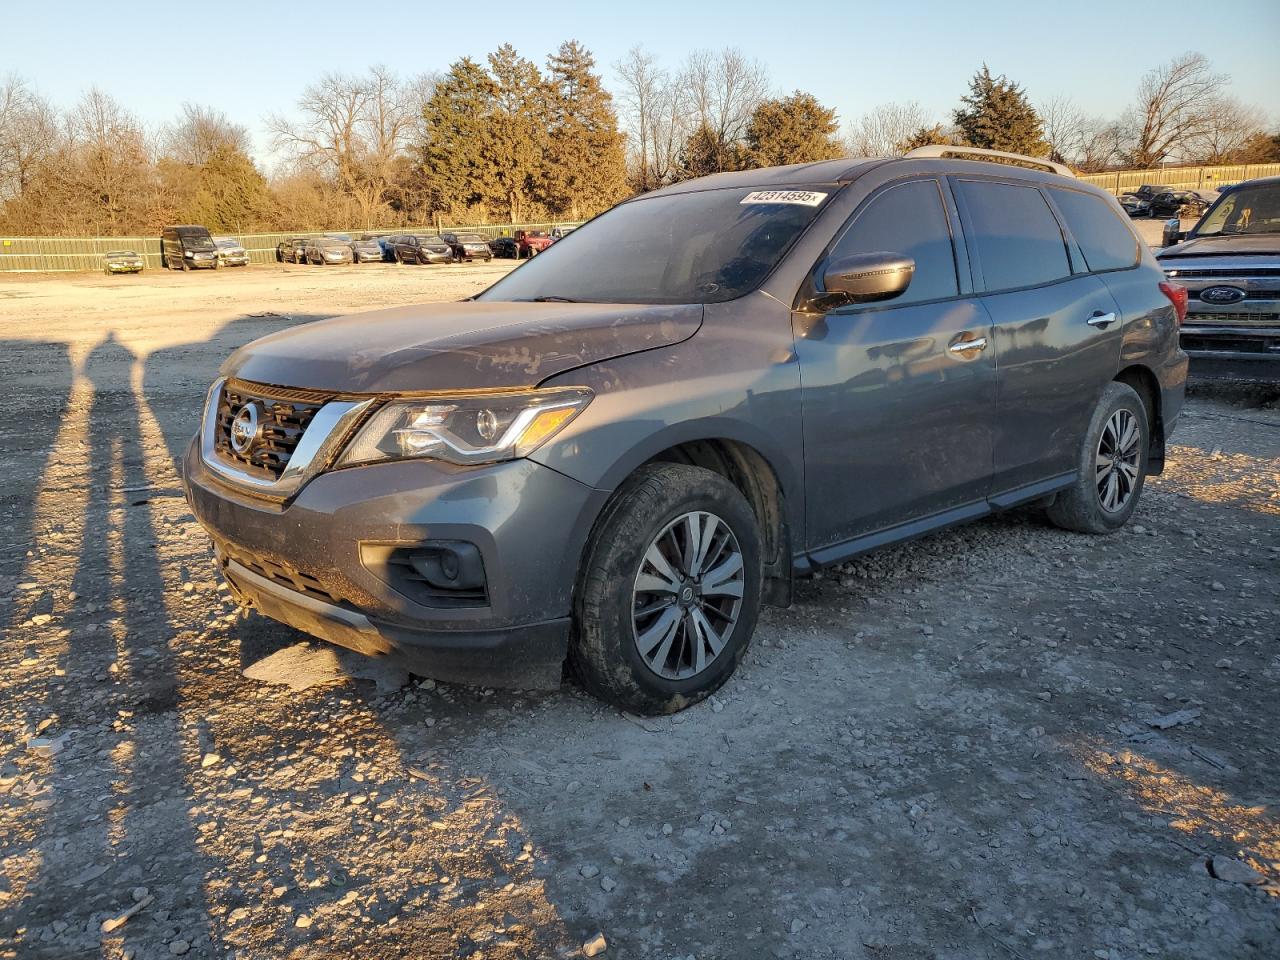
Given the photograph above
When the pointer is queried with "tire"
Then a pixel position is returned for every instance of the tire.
(652, 511)
(1084, 506)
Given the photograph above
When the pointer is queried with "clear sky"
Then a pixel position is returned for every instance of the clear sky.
(249, 58)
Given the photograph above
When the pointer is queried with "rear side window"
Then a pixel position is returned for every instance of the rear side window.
(1015, 234)
(1105, 240)
(908, 219)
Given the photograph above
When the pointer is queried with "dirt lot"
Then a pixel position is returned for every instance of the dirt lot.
(1000, 741)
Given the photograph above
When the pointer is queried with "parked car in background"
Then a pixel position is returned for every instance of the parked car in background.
(559, 233)
(1185, 204)
(505, 247)
(327, 250)
(291, 251)
(366, 250)
(121, 261)
(1138, 202)
(231, 253)
(1230, 264)
(532, 242)
(615, 454)
(187, 247)
(422, 248)
(467, 246)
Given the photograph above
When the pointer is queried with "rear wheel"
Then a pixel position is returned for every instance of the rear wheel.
(1112, 466)
(669, 591)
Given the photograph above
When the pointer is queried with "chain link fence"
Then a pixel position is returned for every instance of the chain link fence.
(80, 254)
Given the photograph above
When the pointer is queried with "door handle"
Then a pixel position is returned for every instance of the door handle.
(1101, 320)
(964, 346)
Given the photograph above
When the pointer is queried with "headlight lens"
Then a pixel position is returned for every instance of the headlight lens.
(466, 430)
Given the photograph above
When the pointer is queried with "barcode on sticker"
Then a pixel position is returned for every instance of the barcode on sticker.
(806, 198)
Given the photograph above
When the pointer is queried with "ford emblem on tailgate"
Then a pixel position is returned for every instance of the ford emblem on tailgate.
(1221, 294)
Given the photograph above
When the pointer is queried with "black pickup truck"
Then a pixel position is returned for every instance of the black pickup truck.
(1230, 264)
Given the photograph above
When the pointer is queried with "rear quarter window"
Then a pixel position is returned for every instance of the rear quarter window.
(1104, 238)
(1015, 234)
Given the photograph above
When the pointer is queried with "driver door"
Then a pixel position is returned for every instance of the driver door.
(898, 412)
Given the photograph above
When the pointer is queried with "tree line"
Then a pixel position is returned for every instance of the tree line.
(511, 140)
(1181, 112)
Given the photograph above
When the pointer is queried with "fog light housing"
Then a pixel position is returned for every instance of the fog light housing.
(436, 573)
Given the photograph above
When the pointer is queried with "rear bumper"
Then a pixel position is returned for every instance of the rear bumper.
(318, 563)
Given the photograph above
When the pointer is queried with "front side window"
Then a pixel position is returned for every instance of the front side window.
(1014, 233)
(1105, 239)
(908, 219)
(707, 246)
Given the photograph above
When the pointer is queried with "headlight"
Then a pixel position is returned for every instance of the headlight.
(189, 254)
(466, 430)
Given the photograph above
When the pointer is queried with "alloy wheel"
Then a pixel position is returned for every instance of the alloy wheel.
(1117, 459)
(688, 595)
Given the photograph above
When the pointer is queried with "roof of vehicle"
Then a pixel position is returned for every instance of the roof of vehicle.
(1259, 182)
(839, 172)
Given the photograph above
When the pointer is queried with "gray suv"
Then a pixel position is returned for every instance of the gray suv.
(614, 455)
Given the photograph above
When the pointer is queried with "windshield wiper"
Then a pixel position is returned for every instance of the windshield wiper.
(554, 300)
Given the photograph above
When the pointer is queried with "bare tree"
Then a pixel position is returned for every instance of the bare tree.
(1065, 128)
(1175, 105)
(653, 117)
(720, 92)
(29, 134)
(1229, 126)
(884, 130)
(351, 131)
(202, 132)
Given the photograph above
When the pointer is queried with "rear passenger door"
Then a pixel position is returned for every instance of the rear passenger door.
(1056, 331)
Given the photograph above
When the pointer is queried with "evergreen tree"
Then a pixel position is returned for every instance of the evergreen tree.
(456, 125)
(926, 137)
(998, 116)
(704, 153)
(516, 139)
(795, 129)
(585, 166)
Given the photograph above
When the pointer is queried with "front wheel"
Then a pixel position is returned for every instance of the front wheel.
(1112, 466)
(669, 590)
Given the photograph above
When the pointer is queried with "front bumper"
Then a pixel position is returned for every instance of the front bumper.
(1245, 353)
(241, 260)
(312, 561)
(432, 257)
(124, 267)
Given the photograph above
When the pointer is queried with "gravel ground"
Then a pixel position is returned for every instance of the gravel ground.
(998, 741)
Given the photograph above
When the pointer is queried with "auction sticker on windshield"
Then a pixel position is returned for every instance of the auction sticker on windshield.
(806, 198)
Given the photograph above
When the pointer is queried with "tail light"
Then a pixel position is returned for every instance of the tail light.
(1177, 295)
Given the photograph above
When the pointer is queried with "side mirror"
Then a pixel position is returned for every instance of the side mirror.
(866, 277)
(1172, 232)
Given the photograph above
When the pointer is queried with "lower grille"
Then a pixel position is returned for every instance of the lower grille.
(1234, 319)
(278, 573)
(283, 417)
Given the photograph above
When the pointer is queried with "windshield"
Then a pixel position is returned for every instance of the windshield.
(340, 236)
(702, 247)
(1247, 210)
(329, 242)
(121, 253)
(435, 240)
(227, 244)
(469, 238)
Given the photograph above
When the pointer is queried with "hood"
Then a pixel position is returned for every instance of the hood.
(457, 346)
(1236, 245)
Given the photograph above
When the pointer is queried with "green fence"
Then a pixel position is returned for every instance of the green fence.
(1181, 178)
(70, 254)
(79, 254)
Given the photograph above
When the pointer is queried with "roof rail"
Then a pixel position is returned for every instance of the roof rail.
(978, 153)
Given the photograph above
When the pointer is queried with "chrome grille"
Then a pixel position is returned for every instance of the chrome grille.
(1233, 319)
(285, 416)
